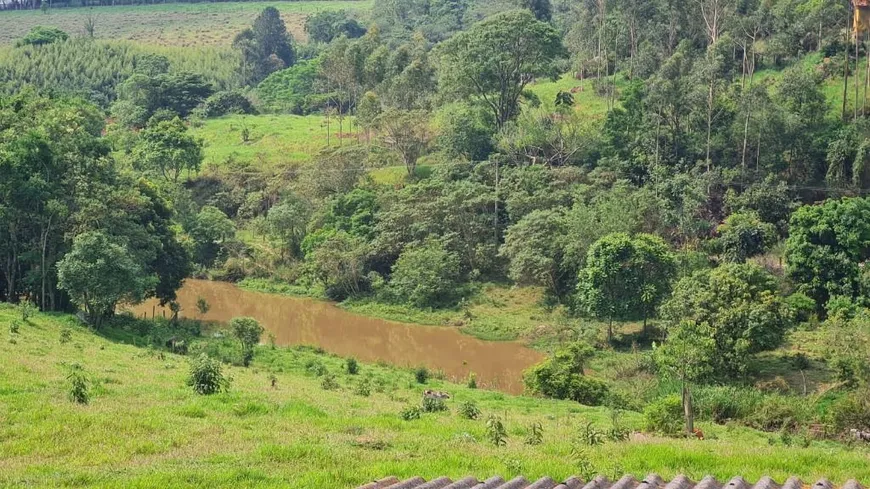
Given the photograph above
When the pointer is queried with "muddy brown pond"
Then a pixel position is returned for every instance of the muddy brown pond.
(300, 321)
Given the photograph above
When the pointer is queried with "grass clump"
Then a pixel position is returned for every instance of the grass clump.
(536, 434)
(14, 327)
(206, 376)
(496, 432)
(329, 383)
(433, 405)
(352, 366)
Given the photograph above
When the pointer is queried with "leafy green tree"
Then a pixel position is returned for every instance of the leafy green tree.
(291, 89)
(497, 58)
(464, 132)
(339, 264)
(287, 222)
(98, 274)
(210, 230)
(406, 133)
(266, 47)
(166, 148)
(688, 356)
(39, 36)
(561, 376)
(826, 245)
(248, 331)
(534, 248)
(740, 305)
(426, 275)
(329, 24)
(140, 96)
(625, 277)
(542, 9)
(743, 235)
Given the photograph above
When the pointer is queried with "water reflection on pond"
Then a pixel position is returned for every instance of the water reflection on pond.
(297, 321)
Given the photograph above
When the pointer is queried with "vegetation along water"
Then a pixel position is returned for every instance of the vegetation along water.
(319, 243)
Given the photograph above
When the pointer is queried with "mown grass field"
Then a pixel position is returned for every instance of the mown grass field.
(145, 428)
(273, 139)
(170, 24)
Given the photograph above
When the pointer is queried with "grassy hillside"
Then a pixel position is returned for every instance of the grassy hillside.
(145, 428)
(272, 138)
(171, 24)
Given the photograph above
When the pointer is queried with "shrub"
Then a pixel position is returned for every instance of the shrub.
(536, 434)
(802, 305)
(433, 405)
(352, 366)
(723, 403)
(248, 332)
(65, 335)
(496, 432)
(472, 381)
(14, 327)
(469, 410)
(664, 415)
(561, 377)
(206, 376)
(426, 275)
(421, 374)
(315, 367)
(775, 413)
(329, 383)
(223, 103)
(79, 385)
(40, 35)
(617, 432)
(411, 413)
(363, 388)
(851, 412)
(27, 308)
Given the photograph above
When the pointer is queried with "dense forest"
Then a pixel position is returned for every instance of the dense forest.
(715, 201)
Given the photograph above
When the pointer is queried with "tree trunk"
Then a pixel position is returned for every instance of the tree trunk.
(846, 71)
(687, 409)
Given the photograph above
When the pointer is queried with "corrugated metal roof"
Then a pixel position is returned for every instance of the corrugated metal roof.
(652, 481)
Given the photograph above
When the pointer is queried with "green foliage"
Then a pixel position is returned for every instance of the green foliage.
(27, 308)
(328, 383)
(534, 248)
(206, 376)
(625, 277)
(590, 435)
(496, 433)
(39, 36)
(329, 24)
(743, 235)
(98, 274)
(65, 336)
(141, 96)
(411, 413)
(433, 405)
(664, 415)
(265, 47)
(352, 366)
(292, 89)
(78, 385)
(536, 434)
(426, 275)
(202, 306)
(826, 244)
(338, 263)
(165, 148)
(248, 331)
(14, 327)
(225, 102)
(484, 63)
(210, 231)
(740, 305)
(363, 388)
(469, 410)
(464, 131)
(421, 375)
(471, 383)
(561, 376)
(851, 411)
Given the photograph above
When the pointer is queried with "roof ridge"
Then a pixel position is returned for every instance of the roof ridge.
(627, 481)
